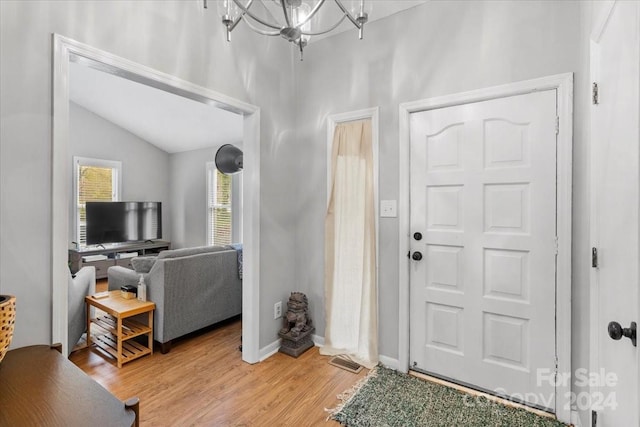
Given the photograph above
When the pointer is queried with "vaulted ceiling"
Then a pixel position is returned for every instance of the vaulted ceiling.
(171, 122)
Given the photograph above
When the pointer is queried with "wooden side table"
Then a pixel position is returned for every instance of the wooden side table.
(119, 328)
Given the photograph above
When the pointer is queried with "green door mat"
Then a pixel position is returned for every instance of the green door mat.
(389, 398)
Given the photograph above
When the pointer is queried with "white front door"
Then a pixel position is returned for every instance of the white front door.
(483, 219)
(615, 140)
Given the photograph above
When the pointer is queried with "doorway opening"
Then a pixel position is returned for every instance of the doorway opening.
(67, 51)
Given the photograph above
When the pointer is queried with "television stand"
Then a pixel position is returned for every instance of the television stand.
(112, 254)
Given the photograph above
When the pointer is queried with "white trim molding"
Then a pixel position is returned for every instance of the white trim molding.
(318, 341)
(66, 50)
(78, 162)
(563, 84)
(269, 350)
(390, 362)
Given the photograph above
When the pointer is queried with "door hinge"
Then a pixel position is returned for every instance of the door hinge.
(556, 244)
(594, 419)
(557, 125)
(594, 257)
(594, 93)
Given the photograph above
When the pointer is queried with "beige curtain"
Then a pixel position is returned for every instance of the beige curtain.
(350, 248)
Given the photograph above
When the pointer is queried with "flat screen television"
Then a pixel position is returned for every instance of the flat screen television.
(115, 222)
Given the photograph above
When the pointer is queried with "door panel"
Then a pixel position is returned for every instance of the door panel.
(483, 179)
(615, 167)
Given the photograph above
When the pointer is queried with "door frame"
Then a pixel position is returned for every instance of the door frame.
(66, 50)
(563, 83)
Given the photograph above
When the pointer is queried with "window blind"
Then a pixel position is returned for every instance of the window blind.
(219, 213)
(96, 181)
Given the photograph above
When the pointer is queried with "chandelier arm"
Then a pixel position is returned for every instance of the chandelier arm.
(347, 14)
(252, 16)
(239, 18)
(311, 14)
(236, 22)
(333, 27)
(259, 30)
(284, 11)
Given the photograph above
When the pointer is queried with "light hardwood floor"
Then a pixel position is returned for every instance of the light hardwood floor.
(203, 381)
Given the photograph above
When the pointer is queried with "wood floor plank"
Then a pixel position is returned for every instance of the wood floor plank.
(203, 381)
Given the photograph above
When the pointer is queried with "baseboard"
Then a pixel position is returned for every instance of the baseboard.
(318, 341)
(269, 350)
(389, 362)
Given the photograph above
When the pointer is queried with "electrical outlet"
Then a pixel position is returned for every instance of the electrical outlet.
(277, 310)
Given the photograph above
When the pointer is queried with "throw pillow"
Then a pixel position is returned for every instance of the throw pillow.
(143, 264)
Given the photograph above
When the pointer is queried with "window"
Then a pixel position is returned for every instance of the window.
(219, 214)
(95, 180)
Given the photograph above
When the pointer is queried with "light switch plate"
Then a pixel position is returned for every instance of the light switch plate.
(388, 208)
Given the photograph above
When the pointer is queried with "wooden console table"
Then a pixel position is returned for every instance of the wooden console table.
(119, 328)
(38, 386)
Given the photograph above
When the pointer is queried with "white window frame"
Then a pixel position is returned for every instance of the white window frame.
(116, 184)
(211, 184)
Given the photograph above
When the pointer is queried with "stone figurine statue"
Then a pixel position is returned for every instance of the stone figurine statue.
(297, 330)
(296, 320)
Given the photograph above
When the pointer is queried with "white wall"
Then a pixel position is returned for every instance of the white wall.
(434, 49)
(175, 37)
(188, 195)
(144, 166)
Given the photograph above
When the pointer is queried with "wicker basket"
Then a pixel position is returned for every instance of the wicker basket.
(7, 321)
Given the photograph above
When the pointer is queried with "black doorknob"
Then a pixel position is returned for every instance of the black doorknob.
(417, 256)
(417, 236)
(616, 331)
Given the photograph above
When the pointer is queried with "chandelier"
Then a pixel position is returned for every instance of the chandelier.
(295, 20)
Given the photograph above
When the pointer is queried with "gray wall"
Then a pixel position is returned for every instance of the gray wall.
(176, 37)
(434, 49)
(144, 166)
(188, 195)
(188, 188)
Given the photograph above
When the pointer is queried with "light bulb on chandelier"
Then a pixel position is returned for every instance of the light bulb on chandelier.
(297, 21)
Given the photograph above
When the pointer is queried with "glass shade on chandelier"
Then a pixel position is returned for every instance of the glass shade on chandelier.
(294, 20)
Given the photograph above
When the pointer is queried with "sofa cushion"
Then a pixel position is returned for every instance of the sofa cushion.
(176, 253)
(83, 284)
(143, 264)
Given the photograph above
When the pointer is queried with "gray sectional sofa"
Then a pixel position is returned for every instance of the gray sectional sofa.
(81, 284)
(192, 288)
